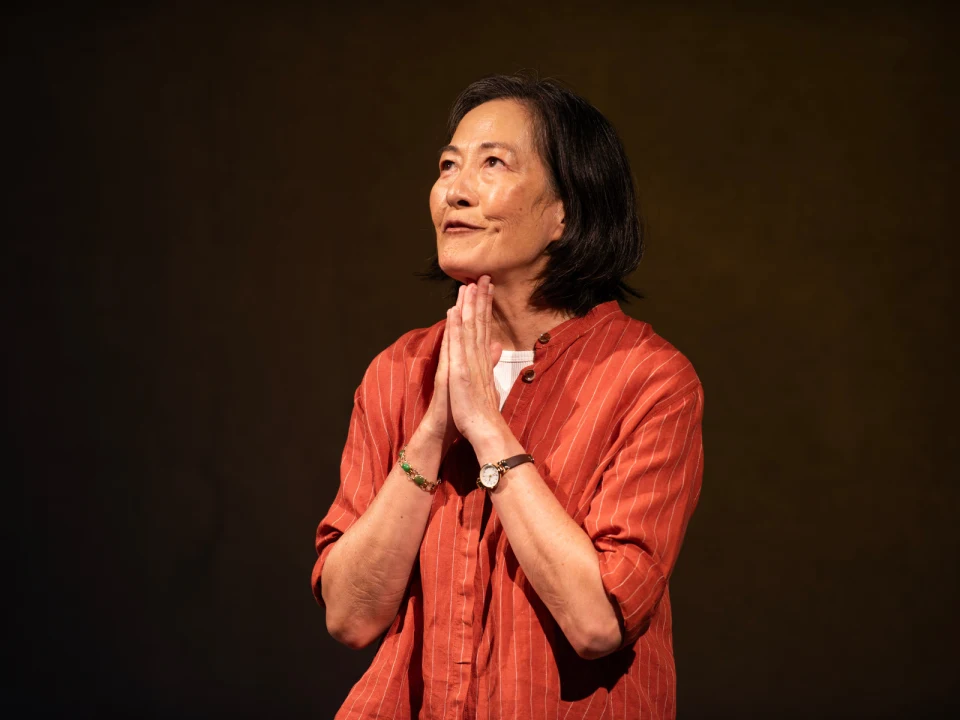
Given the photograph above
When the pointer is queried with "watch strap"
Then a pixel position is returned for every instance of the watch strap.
(512, 462)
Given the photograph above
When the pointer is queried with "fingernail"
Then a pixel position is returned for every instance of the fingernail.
(490, 289)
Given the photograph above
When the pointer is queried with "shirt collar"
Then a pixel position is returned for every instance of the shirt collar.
(569, 331)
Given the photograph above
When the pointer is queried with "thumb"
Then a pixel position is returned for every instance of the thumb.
(495, 350)
(443, 359)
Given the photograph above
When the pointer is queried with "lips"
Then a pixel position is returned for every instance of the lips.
(459, 226)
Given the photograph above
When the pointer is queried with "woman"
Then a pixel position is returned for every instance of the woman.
(513, 540)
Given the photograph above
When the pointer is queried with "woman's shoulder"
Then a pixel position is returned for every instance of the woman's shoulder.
(417, 345)
(660, 368)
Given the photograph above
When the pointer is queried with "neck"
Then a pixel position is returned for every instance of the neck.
(517, 324)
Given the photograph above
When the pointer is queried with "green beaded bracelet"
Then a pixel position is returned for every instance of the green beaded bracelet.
(419, 480)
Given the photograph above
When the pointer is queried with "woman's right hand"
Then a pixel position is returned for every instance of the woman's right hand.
(438, 420)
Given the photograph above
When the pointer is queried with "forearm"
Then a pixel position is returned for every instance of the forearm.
(556, 555)
(367, 572)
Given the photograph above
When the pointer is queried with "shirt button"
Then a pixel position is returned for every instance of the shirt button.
(545, 338)
(528, 375)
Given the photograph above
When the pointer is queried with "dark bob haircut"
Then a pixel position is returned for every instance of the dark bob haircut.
(602, 241)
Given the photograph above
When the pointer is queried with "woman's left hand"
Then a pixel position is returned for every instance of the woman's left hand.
(474, 401)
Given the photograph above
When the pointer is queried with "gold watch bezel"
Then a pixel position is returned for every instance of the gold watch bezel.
(483, 467)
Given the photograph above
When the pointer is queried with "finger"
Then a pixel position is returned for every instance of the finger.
(483, 302)
(455, 348)
(494, 352)
(442, 359)
(496, 349)
(461, 295)
(488, 316)
(468, 315)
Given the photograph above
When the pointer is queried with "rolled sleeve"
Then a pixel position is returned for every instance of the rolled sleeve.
(639, 516)
(361, 471)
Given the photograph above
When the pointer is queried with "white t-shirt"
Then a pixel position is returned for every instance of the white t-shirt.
(507, 370)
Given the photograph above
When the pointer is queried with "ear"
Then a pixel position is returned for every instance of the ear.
(559, 220)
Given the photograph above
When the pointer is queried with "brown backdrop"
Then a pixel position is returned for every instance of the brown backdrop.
(213, 221)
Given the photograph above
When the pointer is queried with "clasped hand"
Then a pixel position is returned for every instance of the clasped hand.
(465, 398)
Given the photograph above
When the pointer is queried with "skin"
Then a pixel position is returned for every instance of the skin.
(491, 177)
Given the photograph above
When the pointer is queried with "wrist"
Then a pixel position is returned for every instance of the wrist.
(495, 444)
(440, 435)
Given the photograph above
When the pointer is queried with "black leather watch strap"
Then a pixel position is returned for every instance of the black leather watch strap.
(512, 462)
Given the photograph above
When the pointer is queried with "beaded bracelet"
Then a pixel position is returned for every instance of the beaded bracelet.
(420, 481)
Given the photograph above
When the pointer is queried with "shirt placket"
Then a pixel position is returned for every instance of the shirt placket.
(463, 653)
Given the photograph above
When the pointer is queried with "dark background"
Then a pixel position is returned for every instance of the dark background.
(213, 217)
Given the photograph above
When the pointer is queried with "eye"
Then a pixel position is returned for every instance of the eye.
(446, 165)
(492, 161)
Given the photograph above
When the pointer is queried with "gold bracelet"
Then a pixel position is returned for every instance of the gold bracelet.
(418, 479)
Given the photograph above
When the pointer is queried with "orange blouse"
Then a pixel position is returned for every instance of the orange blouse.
(612, 414)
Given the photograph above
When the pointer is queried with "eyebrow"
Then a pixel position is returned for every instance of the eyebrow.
(483, 146)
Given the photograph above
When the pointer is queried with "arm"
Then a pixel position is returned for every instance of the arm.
(361, 574)
(368, 568)
(555, 553)
(591, 580)
(603, 581)
(638, 520)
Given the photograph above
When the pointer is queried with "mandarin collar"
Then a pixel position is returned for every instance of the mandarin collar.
(562, 336)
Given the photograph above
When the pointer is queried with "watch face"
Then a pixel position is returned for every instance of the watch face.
(489, 476)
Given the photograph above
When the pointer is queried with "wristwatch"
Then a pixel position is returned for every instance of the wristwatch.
(490, 473)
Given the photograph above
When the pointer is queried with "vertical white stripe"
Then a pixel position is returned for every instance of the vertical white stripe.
(383, 419)
(446, 674)
(389, 676)
(568, 353)
(629, 514)
(596, 416)
(611, 416)
(405, 412)
(573, 441)
(403, 681)
(436, 585)
(463, 612)
(573, 405)
(501, 561)
(366, 676)
(653, 497)
(681, 456)
(425, 363)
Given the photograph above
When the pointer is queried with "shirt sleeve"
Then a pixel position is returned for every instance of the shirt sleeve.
(363, 467)
(639, 515)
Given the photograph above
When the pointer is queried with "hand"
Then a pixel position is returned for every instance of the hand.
(474, 401)
(437, 420)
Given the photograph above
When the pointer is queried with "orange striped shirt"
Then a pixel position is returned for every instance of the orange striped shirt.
(612, 414)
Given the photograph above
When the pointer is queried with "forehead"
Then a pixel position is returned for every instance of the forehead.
(505, 121)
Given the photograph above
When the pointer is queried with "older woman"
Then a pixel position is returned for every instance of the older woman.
(512, 541)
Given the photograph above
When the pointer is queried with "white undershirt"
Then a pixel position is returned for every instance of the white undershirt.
(507, 370)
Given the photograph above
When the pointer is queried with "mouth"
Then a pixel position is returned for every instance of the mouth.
(459, 226)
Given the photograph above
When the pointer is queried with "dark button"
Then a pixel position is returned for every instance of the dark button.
(528, 375)
(545, 338)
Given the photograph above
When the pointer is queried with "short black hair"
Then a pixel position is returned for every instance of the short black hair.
(603, 237)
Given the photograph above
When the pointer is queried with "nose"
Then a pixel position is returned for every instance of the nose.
(460, 192)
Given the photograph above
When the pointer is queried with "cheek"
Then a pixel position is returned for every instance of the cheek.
(509, 204)
(436, 201)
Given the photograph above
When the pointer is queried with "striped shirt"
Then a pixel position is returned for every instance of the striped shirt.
(612, 414)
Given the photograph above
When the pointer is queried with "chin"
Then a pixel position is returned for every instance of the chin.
(460, 268)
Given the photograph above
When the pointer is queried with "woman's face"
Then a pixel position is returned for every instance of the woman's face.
(492, 205)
